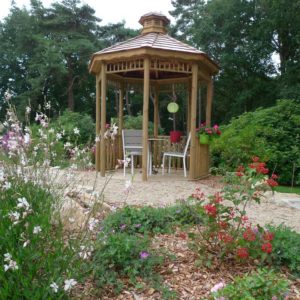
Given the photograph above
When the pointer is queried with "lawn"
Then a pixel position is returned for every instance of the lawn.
(287, 189)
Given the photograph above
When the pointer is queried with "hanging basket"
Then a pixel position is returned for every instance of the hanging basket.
(204, 139)
(175, 136)
(172, 107)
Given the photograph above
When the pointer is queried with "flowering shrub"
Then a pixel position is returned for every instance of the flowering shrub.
(120, 254)
(227, 231)
(38, 260)
(212, 132)
(261, 285)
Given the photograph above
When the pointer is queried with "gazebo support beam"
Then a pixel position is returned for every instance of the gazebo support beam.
(145, 117)
(194, 93)
(103, 119)
(97, 158)
(209, 97)
(121, 116)
(155, 121)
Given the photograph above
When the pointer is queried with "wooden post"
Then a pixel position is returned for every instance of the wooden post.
(155, 120)
(121, 118)
(97, 154)
(194, 93)
(145, 117)
(103, 119)
(189, 93)
(209, 97)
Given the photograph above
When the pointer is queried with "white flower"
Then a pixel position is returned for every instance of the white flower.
(23, 203)
(28, 109)
(7, 257)
(14, 216)
(128, 186)
(51, 130)
(6, 185)
(76, 130)
(92, 223)
(97, 139)
(48, 105)
(54, 287)
(126, 162)
(27, 138)
(11, 263)
(69, 283)
(67, 145)
(26, 243)
(37, 229)
(7, 95)
(2, 175)
(46, 163)
(85, 252)
(58, 136)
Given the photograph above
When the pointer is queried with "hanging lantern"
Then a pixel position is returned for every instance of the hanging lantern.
(172, 107)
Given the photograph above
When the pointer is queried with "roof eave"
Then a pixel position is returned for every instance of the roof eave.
(147, 50)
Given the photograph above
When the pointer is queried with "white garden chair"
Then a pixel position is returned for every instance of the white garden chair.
(177, 154)
(132, 146)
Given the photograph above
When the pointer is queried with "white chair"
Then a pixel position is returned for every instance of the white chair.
(132, 145)
(177, 154)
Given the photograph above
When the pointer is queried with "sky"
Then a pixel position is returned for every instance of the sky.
(110, 11)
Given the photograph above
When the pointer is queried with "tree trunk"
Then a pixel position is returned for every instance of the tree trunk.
(70, 91)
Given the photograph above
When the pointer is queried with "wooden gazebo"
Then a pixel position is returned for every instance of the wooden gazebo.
(153, 59)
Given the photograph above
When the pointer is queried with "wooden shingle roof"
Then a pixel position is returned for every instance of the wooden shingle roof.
(153, 40)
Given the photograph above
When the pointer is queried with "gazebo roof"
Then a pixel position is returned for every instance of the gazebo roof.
(153, 41)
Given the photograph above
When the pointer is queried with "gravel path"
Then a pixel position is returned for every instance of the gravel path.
(165, 190)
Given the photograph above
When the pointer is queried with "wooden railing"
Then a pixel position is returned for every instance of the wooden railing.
(114, 151)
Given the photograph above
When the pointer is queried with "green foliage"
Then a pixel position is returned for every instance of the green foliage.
(242, 36)
(45, 258)
(149, 219)
(286, 245)
(68, 121)
(119, 254)
(131, 122)
(261, 285)
(273, 134)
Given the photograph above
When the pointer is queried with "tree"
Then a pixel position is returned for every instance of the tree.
(234, 33)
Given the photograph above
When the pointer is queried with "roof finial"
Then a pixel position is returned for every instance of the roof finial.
(154, 22)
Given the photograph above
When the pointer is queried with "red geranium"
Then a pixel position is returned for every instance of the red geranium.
(242, 252)
(225, 237)
(266, 247)
(211, 210)
(271, 182)
(249, 235)
(268, 236)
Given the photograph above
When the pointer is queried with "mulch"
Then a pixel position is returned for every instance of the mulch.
(181, 274)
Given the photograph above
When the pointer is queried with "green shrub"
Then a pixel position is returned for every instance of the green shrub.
(119, 254)
(68, 121)
(149, 219)
(131, 122)
(273, 134)
(286, 248)
(261, 285)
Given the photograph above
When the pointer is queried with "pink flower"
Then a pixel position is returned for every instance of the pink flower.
(144, 254)
(217, 286)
